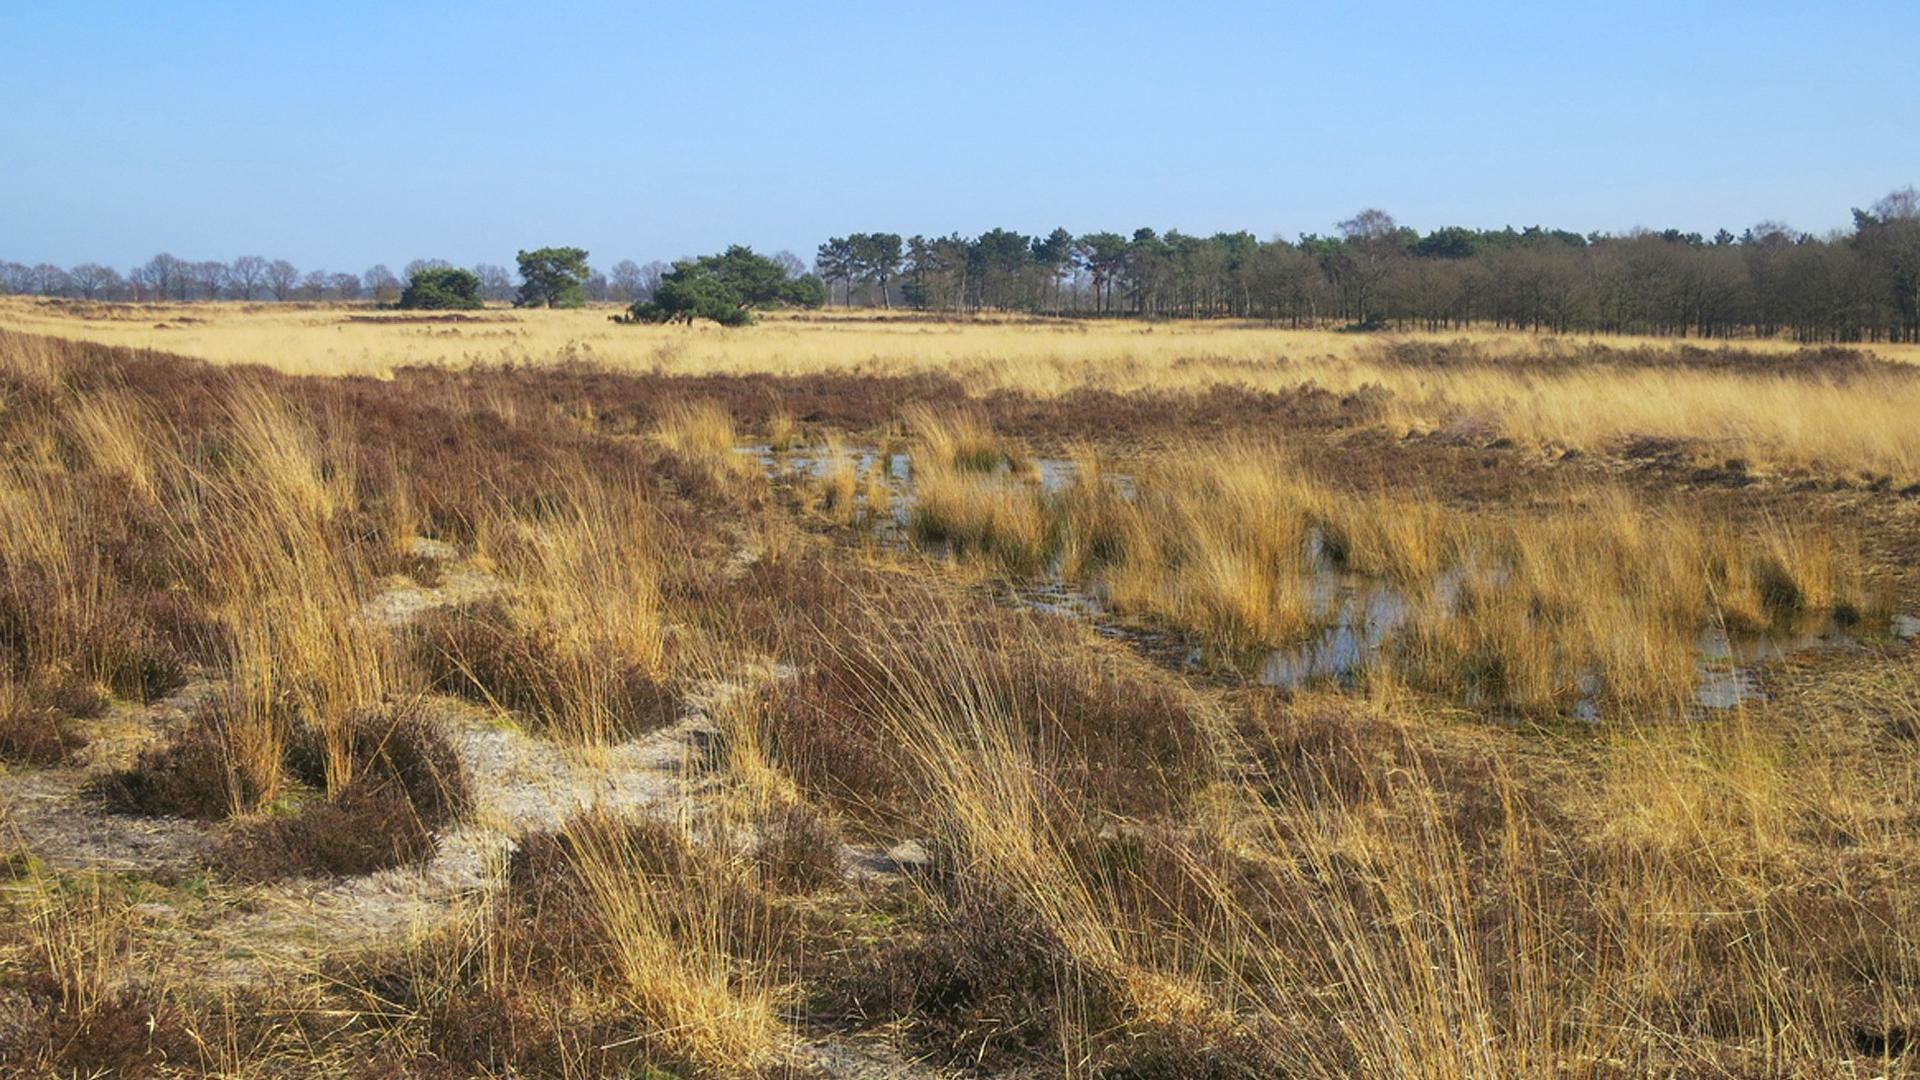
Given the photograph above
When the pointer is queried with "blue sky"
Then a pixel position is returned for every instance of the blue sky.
(340, 134)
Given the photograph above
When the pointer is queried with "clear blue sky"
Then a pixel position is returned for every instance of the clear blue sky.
(340, 134)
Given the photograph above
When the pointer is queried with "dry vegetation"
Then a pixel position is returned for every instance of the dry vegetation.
(1766, 401)
(586, 719)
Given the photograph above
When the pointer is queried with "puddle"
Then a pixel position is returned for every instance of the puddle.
(1359, 616)
(1726, 688)
(1366, 619)
(1054, 475)
(1056, 596)
(1368, 615)
(814, 463)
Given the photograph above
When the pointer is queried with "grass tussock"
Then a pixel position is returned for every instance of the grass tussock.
(37, 721)
(617, 947)
(702, 437)
(580, 691)
(407, 785)
(960, 440)
(196, 775)
(403, 786)
(837, 485)
(1101, 735)
(783, 434)
(578, 642)
(997, 519)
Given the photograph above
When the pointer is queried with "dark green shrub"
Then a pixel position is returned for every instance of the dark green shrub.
(441, 289)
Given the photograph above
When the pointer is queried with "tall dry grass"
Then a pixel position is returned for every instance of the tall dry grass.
(838, 483)
(1598, 594)
(1126, 874)
(670, 937)
(1377, 900)
(268, 533)
(581, 641)
(1854, 423)
(702, 434)
(969, 494)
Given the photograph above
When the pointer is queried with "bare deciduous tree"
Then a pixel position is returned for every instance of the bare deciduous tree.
(625, 281)
(247, 276)
(94, 281)
(380, 284)
(282, 279)
(495, 282)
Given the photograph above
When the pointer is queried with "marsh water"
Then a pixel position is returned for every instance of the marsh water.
(1357, 618)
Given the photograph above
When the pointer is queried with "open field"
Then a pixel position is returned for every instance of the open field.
(1839, 410)
(526, 695)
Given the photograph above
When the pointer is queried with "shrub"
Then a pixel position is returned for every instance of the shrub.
(407, 782)
(442, 288)
(1106, 738)
(485, 652)
(190, 776)
(34, 728)
(635, 952)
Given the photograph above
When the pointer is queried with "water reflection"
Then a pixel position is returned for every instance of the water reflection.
(1358, 617)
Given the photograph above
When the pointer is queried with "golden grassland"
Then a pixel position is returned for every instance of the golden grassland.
(848, 813)
(1861, 423)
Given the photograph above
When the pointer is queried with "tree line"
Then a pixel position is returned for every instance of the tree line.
(168, 278)
(1861, 284)
(1857, 284)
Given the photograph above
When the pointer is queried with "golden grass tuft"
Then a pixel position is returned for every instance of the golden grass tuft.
(702, 434)
(997, 519)
(782, 433)
(116, 433)
(838, 483)
(668, 936)
(958, 441)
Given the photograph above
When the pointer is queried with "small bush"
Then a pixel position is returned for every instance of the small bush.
(978, 986)
(485, 653)
(365, 829)
(133, 1032)
(407, 783)
(34, 721)
(188, 777)
(581, 907)
(1108, 738)
(549, 882)
(798, 849)
(391, 747)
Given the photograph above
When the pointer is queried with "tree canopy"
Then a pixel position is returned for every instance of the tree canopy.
(442, 288)
(726, 288)
(552, 277)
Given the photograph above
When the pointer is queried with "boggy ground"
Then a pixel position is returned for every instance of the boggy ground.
(517, 722)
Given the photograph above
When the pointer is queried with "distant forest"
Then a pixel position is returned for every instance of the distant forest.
(1852, 285)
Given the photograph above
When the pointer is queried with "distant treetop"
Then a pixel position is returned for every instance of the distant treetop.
(552, 277)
